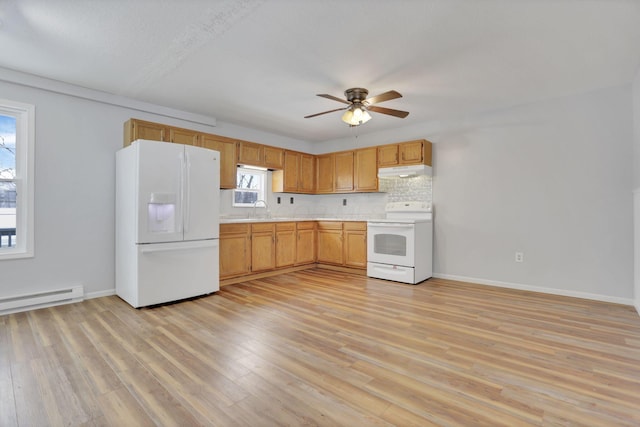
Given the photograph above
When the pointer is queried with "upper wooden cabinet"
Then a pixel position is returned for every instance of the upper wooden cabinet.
(343, 172)
(388, 155)
(297, 176)
(273, 157)
(351, 171)
(251, 153)
(356, 171)
(325, 175)
(365, 170)
(405, 153)
(227, 149)
(140, 129)
(184, 136)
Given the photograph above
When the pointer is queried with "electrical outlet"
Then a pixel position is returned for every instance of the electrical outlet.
(278, 199)
(344, 202)
(519, 257)
(291, 200)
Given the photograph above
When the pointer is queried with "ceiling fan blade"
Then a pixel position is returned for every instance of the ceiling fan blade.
(334, 98)
(325, 112)
(389, 111)
(392, 94)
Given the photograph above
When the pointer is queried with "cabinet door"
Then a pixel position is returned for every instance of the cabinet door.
(183, 136)
(388, 155)
(285, 244)
(344, 171)
(273, 157)
(235, 250)
(325, 173)
(411, 152)
(366, 169)
(306, 182)
(306, 243)
(330, 243)
(140, 129)
(263, 255)
(355, 244)
(250, 153)
(291, 169)
(227, 149)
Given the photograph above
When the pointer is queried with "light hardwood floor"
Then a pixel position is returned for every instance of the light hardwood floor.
(326, 348)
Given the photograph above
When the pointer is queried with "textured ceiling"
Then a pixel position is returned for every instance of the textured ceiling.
(259, 63)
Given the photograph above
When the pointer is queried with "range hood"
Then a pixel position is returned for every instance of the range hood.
(404, 171)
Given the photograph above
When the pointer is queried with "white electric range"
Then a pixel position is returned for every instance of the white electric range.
(400, 246)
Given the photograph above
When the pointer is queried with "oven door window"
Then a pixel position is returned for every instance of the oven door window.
(390, 244)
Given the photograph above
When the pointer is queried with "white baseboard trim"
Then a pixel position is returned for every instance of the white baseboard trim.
(99, 294)
(553, 291)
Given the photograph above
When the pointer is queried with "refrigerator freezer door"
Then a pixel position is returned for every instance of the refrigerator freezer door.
(201, 193)
(174, 271)
(159, 170)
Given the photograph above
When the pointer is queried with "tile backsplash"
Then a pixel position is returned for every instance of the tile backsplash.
(357, 205)
(417, 188)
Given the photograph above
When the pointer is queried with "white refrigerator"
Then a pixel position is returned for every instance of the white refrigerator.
(167, 222)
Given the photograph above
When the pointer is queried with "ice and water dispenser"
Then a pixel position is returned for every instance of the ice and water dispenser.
(162, 213)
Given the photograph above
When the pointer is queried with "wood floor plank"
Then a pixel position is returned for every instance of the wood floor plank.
(325, 348)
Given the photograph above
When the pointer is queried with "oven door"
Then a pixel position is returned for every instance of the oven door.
(391, 243)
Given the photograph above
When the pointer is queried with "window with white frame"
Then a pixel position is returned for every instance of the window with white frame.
(16, 179)
(250, 186)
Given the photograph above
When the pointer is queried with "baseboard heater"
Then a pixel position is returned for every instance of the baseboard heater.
(43, 299)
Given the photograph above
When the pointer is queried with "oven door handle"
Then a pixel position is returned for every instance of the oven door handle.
(389, 225)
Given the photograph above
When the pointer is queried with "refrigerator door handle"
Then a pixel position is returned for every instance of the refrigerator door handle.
(181, 196)
(186, 176)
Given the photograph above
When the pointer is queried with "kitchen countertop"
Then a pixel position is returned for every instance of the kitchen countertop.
(241, 220)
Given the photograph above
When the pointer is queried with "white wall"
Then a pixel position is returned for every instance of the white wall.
(552, 180)
(636, 187)
(75, 145)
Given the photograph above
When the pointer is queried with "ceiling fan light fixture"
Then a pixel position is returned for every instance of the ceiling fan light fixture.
(356, 115)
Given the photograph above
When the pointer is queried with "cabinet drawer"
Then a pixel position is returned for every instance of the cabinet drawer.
(285, 226)
(360, 226)
(234, 228)
(329, 225)
(261, 227)
(306, 225)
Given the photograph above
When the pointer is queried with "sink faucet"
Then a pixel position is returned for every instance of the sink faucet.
(266, 205)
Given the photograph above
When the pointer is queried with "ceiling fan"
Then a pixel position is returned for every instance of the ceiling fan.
(359, 105)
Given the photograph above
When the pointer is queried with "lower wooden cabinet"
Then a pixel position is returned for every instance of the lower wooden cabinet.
(260, 247)
(342, 243)
(235, 250)
(330, 242)
(355, 244)
(285, 244)
(263, 255)
(305, 243)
